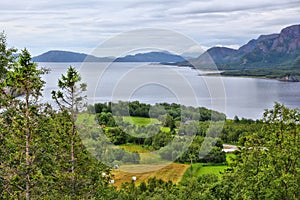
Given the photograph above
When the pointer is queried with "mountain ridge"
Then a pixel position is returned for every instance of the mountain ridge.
(266, 51)
(162, 56)
(271, 50)
(68, 56)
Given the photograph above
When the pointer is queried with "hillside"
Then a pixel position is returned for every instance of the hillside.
(152, 57)
(66, 56)
(274, 50)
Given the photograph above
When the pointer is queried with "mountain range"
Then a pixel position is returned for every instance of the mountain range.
(66, 56)
(162, 56)
(274, 50)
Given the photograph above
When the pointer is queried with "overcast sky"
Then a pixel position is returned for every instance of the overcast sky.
(81, 25)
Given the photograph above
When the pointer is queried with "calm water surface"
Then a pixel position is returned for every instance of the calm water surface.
(244, 97)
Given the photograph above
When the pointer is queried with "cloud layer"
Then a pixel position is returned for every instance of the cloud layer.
(81, 25)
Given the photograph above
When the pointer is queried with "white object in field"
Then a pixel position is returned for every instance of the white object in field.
(116, 166)
(134, 178)
(103, 174)
(112, 181)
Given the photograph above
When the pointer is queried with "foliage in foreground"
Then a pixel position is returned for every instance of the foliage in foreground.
(35, 145)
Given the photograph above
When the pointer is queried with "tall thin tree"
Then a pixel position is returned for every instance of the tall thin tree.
(21, 110)
(70, 98)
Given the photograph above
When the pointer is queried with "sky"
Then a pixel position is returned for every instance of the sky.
(82, 25)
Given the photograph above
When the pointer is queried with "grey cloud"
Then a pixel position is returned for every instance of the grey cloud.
(83, 24)
(145, 3)
(216, 6)
(47, 5)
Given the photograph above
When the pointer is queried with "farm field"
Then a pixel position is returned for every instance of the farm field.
(172, 172)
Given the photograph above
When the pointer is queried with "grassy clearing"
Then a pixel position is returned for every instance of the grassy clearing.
(217, 170)
(134, 148)
(141, 121)
(199, 169)
(192, 171)
(147, 157)
(85, 118)
(172, 172)
(150, 158)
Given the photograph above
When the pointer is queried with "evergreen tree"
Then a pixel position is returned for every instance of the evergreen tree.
(20, 127)
(82, 170)
(7, 57)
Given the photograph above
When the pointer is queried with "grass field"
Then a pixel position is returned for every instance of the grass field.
(141, 121)
(199, 169)
(85, 118)
(217, 170)
(173, 172)
(192, 172)
(147, 157)
(134, 148)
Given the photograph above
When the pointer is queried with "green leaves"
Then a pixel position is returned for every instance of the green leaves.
(21, 119)
(7, 59)
(268, 165)
(71, 97)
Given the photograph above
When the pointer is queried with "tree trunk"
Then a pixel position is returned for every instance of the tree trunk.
(27, 148)
(72, 143)
(191, 168)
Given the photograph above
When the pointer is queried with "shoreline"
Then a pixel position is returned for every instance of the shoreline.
(255, 77)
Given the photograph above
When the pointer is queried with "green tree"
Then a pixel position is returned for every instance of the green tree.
(20, 126)
(7, 57)
(268, 165)
(198, 188)
(70, 99)
(79, 175)
(170, 122)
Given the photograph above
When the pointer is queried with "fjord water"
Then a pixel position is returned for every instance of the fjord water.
(150, 83)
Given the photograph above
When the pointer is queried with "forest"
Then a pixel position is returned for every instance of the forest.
(46, 153)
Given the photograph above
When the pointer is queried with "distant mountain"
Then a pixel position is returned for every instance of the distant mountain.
(272, 50)
(66, 56)
(152, 57)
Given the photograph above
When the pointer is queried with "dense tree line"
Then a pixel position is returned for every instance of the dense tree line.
(140, 136)
(176, 111)
(236, 131)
